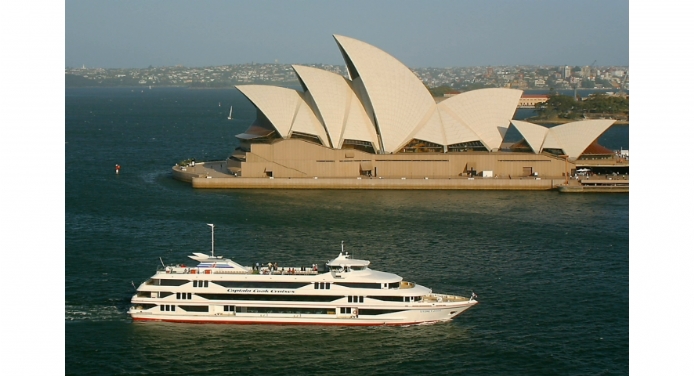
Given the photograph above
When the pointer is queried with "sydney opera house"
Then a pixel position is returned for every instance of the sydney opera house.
(382, 121)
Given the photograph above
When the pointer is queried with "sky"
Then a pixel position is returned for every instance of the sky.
(432, 33)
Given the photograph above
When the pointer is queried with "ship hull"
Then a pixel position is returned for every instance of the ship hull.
(421, 315)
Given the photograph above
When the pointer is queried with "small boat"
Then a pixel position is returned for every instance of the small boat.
(230, 109)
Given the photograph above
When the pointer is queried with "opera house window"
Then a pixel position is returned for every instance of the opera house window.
(419, 146)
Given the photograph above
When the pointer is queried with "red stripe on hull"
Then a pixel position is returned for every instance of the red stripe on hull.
(279, 322)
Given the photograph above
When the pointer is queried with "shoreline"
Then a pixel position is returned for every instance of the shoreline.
(565, 121)
(377, 184)
(144, 86)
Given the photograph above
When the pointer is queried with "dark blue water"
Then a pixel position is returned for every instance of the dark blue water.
(551, 270)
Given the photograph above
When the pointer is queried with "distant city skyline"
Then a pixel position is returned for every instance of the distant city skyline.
(438, 33)
(450, 78)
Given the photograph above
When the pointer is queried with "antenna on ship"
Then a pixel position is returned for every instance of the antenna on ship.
(342, 247)
(212, 225)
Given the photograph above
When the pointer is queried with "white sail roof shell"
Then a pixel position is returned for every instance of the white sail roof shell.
(341, 112)
(307, 122)
(487, 112)
(551, 142)
(456, 130)
(399, 99)
(358, 125)
(532, 133)
(575, 137)
(432, 130)
(330, 93)
(277, 103)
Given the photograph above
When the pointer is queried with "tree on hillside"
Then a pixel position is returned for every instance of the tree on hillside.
(476, 86)
(439, 91)
(605, 104)
(558, 105)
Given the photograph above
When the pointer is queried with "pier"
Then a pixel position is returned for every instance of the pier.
(596, 186)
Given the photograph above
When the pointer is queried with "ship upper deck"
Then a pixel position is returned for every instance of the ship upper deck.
(340, 269)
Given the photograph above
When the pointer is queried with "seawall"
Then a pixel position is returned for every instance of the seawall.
(373, 183)
(593, 189)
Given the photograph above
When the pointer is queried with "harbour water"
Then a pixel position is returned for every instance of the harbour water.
(551, 270)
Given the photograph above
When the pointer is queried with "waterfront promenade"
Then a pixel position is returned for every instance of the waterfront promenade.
(214, 175)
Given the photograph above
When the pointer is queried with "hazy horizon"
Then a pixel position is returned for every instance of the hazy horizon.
(310, 64)
(435, 34)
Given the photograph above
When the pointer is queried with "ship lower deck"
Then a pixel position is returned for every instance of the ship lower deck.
(342, 316)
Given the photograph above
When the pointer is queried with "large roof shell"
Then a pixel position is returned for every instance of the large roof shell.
(338, 107)
(575, 137)
(358, 125)
(532, 133)
(487, 112)
(307, 122)
(330, 93)
(399, 99)
(551, 142)
(454, 127)
(432, 130)
(278, 104)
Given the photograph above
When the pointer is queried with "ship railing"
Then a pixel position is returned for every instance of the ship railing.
(222, 271)
(442, 298)
(193, 270)
(266, 271)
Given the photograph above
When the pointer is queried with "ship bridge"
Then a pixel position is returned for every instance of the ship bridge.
(345, 262)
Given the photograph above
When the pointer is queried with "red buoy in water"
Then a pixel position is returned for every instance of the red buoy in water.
(117, 169)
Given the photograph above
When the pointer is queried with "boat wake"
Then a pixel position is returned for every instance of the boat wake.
(95, 313)
(423, 324)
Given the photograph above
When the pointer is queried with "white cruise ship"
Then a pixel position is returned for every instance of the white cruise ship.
(346, 292)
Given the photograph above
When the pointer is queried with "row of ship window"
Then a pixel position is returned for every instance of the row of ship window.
(315, 311)
(302, 298)
(172, 308)
(277, 285)
(285, 310)
(184, 295)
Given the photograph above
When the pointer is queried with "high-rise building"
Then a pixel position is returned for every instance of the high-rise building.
(585, 72)
(567, 71)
